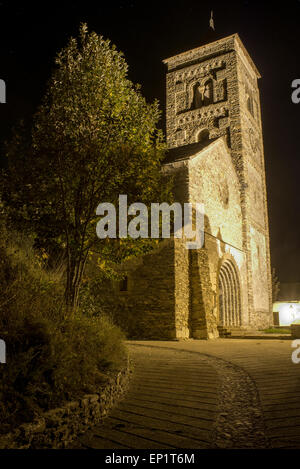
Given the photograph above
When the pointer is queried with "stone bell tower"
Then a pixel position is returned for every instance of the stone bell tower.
(212, 92)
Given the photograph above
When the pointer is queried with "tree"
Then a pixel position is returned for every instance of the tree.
(93, 137)
(275, 285)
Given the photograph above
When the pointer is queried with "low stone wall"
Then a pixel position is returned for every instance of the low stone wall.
(58, 427)
(295, 331)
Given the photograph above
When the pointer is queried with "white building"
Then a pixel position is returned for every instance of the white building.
(286, 309)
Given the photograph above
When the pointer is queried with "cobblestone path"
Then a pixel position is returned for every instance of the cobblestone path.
(182, 399)
(276, 378)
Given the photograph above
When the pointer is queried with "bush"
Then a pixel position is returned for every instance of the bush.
(50, 359)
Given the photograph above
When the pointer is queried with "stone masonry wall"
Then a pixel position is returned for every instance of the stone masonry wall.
(214, 182)
(147, 309)
(232, 76)
(212, 95)
(256, 196)
(58, 427)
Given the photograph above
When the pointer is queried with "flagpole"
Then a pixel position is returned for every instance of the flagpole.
(211, 21)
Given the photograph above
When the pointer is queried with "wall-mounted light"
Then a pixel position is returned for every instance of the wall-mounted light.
(289, 313)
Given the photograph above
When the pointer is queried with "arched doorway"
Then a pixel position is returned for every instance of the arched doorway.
(229, 296)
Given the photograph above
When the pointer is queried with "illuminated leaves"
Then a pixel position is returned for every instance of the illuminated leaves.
(93, 137)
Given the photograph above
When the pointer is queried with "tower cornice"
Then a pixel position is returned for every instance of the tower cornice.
(214, 49)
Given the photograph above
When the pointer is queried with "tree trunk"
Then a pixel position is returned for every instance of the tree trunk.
(75, 272)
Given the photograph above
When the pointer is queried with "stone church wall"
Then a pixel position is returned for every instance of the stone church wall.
(256, 198)
(147, 308)
(213, 99)
(213, 181)
(232, 111)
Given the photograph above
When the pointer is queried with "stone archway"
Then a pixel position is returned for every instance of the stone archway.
(229, 296)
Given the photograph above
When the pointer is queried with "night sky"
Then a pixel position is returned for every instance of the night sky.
(149, 31)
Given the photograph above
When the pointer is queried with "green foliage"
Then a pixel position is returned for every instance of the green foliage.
(50, 359)
(277, 330)
(93, 137)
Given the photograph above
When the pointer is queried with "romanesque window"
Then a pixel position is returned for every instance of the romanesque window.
(258, 258)
(208, 93)
(202, 94)
(197, 96)
(224, 192)
(123, 284)
(203, 136)
(250, 105)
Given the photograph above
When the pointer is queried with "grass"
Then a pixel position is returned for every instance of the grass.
(275, 330)
(50, 358)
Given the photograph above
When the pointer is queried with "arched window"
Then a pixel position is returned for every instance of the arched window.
(202, 94)
(202, 136)
(258, 258)
(250, 106)
(123, 284)
(197, 96)
(208, 93)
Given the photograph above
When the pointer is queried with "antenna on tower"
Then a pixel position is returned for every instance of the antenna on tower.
(211, 21)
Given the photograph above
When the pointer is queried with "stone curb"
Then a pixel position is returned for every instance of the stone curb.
(295, 331)
(57, 428)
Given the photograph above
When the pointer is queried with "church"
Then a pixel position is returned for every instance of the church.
(216, 157)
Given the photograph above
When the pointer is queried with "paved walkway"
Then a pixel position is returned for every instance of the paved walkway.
(228, 393)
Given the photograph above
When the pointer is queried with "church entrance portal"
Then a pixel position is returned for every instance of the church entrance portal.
(229, 296)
